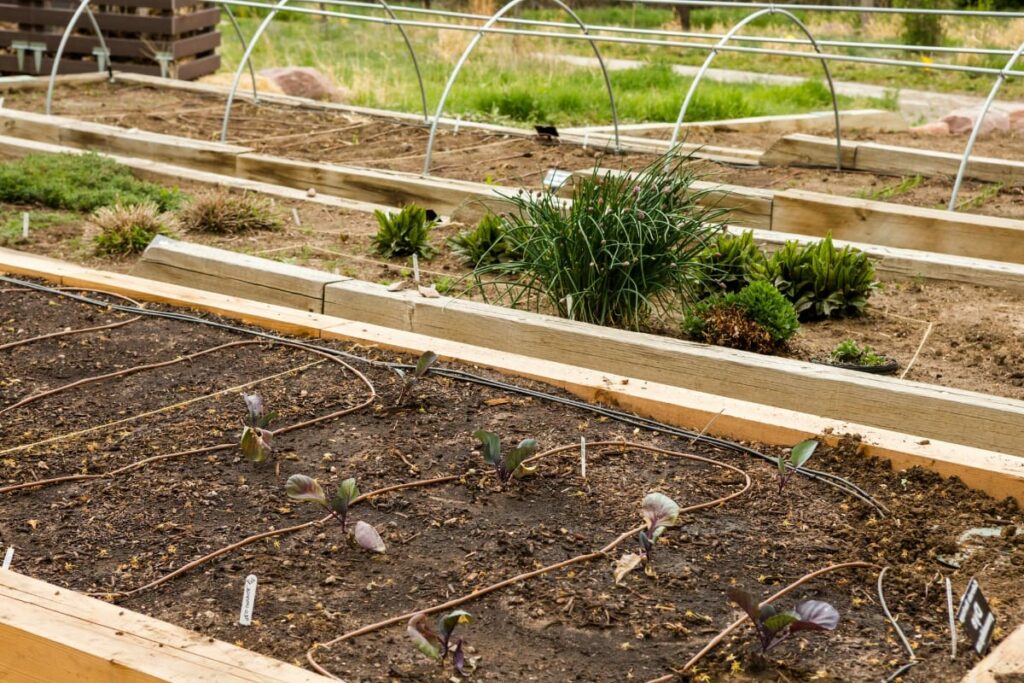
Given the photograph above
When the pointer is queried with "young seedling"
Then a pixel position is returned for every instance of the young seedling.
(409, 379)
(798, 455)
(511, 464)
(255, 442)
(660, 512)
(438, 644)
(774, 627)
(303, 489)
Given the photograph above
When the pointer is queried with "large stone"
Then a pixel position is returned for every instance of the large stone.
(963, 121)
(932, 128)
(305, 81)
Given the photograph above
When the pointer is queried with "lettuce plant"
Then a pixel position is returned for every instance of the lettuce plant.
(303, 489)
(438, 644)
(798, 455)
(773, 627)
(508, 465)
(409, 379)
(255, 441)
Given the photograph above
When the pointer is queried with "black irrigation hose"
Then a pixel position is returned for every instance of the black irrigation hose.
(823, 477)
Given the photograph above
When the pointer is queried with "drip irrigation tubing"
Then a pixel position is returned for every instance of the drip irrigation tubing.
(625, 418)
(519, 578)
(80, 330)
(899, 632)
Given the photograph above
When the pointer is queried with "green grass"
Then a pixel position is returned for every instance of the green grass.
(78, 183)
(896, 189)
(11, 223)
(505, 79)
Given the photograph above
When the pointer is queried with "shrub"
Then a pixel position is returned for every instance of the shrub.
(487, 243)
(757, 318)
(128, 230)
(82, 182)
(624, 249)
(228, 214)
(732, 262)
(404, 233)
(822, 281)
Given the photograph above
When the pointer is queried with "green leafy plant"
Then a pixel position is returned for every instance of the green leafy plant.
(511, 464)
(732, 262)
(756, 318)
(225, 213)
(623, 250)
(774, 627)
(798, 456)
(126, 230)
(404, 233)
(303, 489)
(411, 378)
(439, 644)
(78, 182)
(256, 438)
(849, 352)
(821, 280)
(486, 244)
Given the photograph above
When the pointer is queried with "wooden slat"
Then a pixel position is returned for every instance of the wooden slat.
(998, 474)
(119, 47)
(1005, 664)
(157, 25)
(809, 150)
(228, 272)
(816, 122)
(953, 415)
(896, 225)
(51, 634)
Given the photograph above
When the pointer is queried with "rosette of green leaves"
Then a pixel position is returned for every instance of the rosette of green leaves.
(798, 455)
(511, 464)
(255, 441)
(485, 244)
(404, 233)
(438, 644)
(773, 627)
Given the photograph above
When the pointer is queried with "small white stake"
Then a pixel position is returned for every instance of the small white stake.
(458, 122)
(24, 225)
(583, 456)
(568, 306)
(586, 138)
(295, 216)
(1, 103)
(415, 269)
(248, 601)
(7, 558)
(952, 618)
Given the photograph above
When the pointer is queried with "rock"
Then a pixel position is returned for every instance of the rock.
(305, 81)
(1016, 118)
(962, 121)
(932, 128)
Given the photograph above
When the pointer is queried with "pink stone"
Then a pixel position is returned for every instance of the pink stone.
(932, 128)
(962, 121)
(304, 81)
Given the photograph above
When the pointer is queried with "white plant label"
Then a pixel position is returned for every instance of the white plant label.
(586, 139)
(583, 456)
(8, 556)
(458, 122)
(555, 179)
(248, 601)
(24, 225)
(415, 269)
(295, 216)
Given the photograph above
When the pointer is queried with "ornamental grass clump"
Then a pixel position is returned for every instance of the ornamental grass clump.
(821, 280)
(622, 252)
(126, 230)
(224, 213)
(732, 262)
(485, 244)
(404, 233)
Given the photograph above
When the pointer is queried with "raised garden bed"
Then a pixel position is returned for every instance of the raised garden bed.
(481, 155)
(457, 536)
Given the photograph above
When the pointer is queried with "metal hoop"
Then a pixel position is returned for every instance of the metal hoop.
(82, 7)
(725, 39)
(263, 27)
(977, 126)
(241, 39)
(472, 45)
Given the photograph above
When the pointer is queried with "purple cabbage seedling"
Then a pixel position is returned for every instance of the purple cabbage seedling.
(255, 441)
(511, 464)
(439, 644)
(303, 489)
(798, 455)
(409, 379)
(660, 512)
(773, 627)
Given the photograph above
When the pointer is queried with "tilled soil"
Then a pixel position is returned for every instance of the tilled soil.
(481, 156)
(110, 535)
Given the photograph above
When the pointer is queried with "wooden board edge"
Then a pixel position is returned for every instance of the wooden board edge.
(54, 633)
(1004, 664)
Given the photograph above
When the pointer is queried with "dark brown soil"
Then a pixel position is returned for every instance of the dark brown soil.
(338, 137)
(115, 534)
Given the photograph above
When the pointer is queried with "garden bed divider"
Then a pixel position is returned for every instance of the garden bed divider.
(52, 634)
(810, 150)
(997, 473)
(1005, 664)
(870, 120)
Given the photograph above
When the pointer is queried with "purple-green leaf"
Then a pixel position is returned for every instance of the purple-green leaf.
(491, 446)
(305, 489)
(368, 538)
(421, 634)
(514, 460)
(459, 657)
(423, 364)
(779, 621)
(802, 452)
(747, 602)
(347, 492)
(255, 443)
(254, 404)
(448, 622)
(659, 510)
(815, 615)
